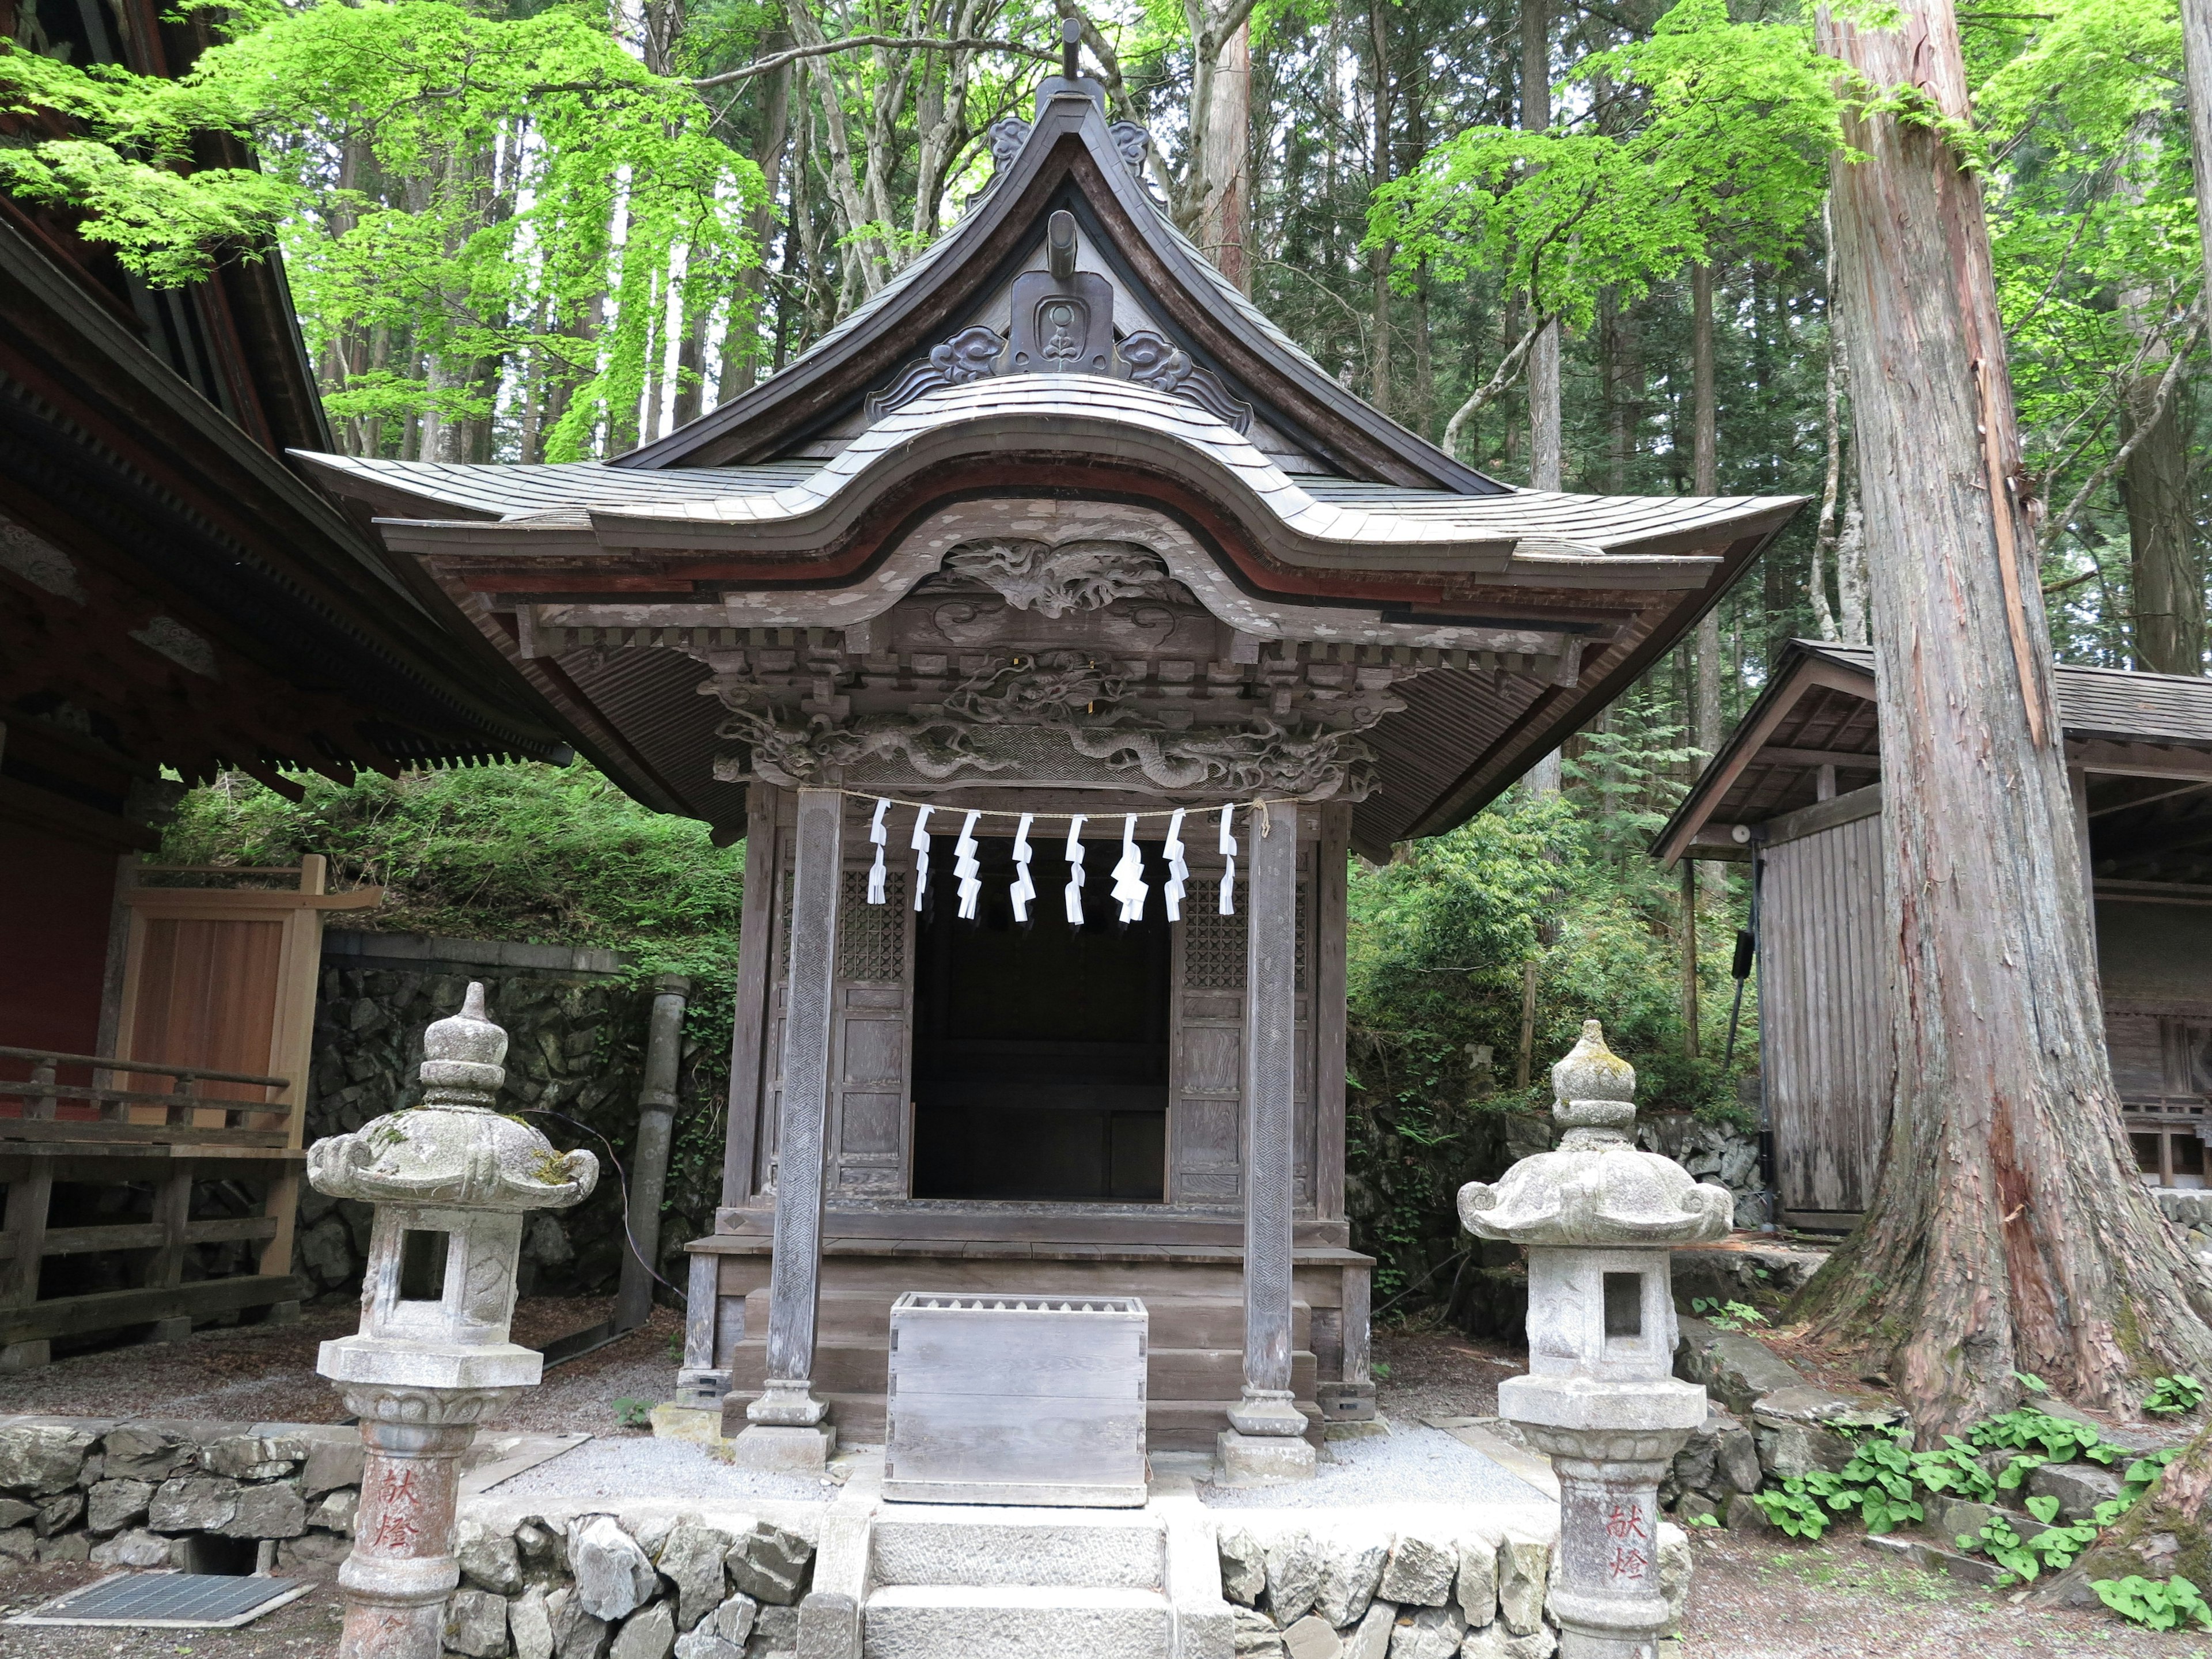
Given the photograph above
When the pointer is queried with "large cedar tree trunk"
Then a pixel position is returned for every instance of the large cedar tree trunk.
(2007, 1229)
(2163, 571)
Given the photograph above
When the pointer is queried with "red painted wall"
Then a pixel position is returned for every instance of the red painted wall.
(54, 898)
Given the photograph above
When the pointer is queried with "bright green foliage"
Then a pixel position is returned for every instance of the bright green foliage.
(540, 854)
(481, 181)
(2153, 1606)
(1726, 1315)
(1727, 147)
(2173, 1395)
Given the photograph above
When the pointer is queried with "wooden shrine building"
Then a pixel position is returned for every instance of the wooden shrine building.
(1056, 524)
(1797, 787)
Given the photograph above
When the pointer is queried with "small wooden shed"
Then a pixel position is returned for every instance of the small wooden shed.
(1057, 524)
(1796, 791)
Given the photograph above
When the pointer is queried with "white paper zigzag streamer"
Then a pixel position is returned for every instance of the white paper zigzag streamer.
(1024, 889)
(1129, 887)
(1074, 891)
(920, 845)
(881, 836)
(965, 866)
(1229, 873)
(1178, 872)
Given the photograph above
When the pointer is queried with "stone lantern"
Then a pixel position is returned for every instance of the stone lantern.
(1597, 1219)
(452, 1181)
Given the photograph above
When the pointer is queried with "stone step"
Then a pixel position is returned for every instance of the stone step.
(854, 1367)
(984, 1547)
(1174, 1322)
(1015, 1621)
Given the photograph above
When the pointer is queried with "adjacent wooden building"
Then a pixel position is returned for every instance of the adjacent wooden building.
(173, 594)
(1797, 791)
(1057, 524)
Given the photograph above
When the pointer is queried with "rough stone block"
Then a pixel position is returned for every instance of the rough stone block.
(577, 1634)
(1312, 1637)
(143, 1451)
(58, 1513)
(194, 1503)
(18, 1544)
(690, 1558)
(829, 1626)
(313, 1549)
(14, 1512)
(1370, 1638)
(251, 1458)
(1695, 1508)
(1524, 1569)
(113, 1505)
(487, 1559)
(272, 1509)
(1349, 1569)
(1255, 1636)
(1496, 1642)
(2079, 1487)
(335, 1512)
(613, 1577)
(132, 1549)
(1428, 1633)
(770, 1565)
(1263, 1459)
(1243, 1565)
(331, 1464)
(1738, 1368)
(542, 1547)
(37, 1460)
(1420, 1571)
(648, 1634)
(1293, 1578)
(529, 1626)
(476, 1623)
(783, 1449)
(1475, 1590)
(1735, 1460)
(721, 1634)
(1674, 1566)
(775, 1630)
(70, 1546)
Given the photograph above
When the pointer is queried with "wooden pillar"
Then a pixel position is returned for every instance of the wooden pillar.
(1264, 1442)
(788, 1429)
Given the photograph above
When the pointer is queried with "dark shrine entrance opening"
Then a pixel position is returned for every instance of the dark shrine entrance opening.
(1040, 1052)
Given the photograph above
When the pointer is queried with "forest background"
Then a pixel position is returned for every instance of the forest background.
(526, 232)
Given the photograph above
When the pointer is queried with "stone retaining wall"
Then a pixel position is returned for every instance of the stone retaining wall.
(1340, 1590)
(201, 1496)
(575, 1037)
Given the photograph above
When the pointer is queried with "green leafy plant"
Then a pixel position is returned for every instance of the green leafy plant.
(632, 1413)
(2059, 1439)
(2153, 1606)
(1726, 1315)
(2173, 1394)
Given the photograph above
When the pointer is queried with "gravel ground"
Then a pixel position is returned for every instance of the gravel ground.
(637, 1466)
(1412, 1464)
(266, 1374)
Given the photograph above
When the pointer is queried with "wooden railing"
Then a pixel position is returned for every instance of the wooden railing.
(119, 1114)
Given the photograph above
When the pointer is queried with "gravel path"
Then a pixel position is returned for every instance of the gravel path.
(637, 1466)
(1412, 1464)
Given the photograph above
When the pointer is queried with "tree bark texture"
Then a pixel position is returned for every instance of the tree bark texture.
(2162, 562)
(1223, 182)
(1545, 464)
(2007, 1229)
(2197, 70)
(1704, 480)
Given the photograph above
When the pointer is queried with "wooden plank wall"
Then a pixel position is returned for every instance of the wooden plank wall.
(1823, 1015)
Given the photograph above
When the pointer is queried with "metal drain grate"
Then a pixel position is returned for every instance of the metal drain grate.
(168, 1601)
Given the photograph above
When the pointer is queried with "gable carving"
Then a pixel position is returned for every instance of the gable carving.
(1059, 330)
(1059, 581)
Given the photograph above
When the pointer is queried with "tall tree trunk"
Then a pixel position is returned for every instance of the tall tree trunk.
(1544, 460)
(1222, 184)
(2007, 1231)
(2196, 70)
(1704, 480)
(2162, 560)
(1851, 557)
(1379, 257)
(1824, 533)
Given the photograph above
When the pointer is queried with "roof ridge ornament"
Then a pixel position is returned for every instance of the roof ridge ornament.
(1007, 136)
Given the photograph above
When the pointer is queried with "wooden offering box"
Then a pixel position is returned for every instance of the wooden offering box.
(1017, 1400)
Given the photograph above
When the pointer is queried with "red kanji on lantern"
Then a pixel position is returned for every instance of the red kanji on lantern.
(1625, 1521)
